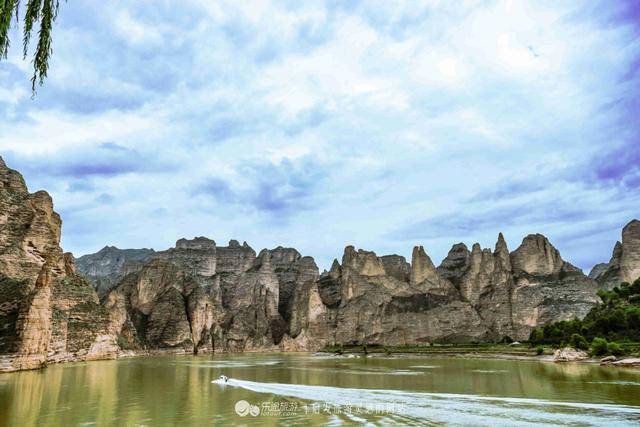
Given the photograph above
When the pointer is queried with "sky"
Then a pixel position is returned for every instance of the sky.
(321, 124)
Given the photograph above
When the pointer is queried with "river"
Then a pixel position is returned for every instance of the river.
(294, 389)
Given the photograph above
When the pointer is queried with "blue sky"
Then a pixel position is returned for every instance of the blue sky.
(322, 124)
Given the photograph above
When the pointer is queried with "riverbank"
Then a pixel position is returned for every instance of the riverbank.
(514, 351)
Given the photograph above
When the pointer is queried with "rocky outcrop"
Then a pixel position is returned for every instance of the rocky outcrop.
(292, 270)
(608, 360)
(109, 265)
(624, 265)
(537, 257)
(569, 354)
(48, 313)
(546, 288)
(513, 292)
(627, 363)
(455, 265)
(202, 297)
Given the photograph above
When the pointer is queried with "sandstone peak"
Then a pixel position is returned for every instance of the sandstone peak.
(336, 269)
(458, 251)
(630, 258)
(624, 265)
(501, 252)
(362, 262)
(455, 264)
(501, 244)
(12, 185)
(422, 267)
(2, 163)
(617, 253)
(598, 270)
(234, 243)
(264, 258)
(634, 223)
(197, 243)
(30, 251)
(396, 266)
(537, 256)
(285, 254)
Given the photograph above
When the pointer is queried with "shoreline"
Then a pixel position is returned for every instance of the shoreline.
(438, 354)
(475, 351)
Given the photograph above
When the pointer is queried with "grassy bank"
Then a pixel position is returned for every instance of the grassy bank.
(441, 349)
(628, 349)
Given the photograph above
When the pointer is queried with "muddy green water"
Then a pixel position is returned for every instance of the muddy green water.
(300, 389)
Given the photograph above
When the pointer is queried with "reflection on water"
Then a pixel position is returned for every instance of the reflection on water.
(177, 390)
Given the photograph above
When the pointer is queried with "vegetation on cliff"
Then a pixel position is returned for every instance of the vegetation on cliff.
(12, 292)
(612, 327)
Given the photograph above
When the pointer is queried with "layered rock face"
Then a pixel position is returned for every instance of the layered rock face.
(546, 288)
(475, 295)
(107, 267)
(202, 297)
(47, 312)
(624, 265)
(406, 304)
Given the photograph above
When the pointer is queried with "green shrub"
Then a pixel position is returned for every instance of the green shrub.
(614, 348)
(617, 319)
(633, 316)
(539, 350)
(579, 342)
(599, 346)
(604, 295)
(536, 336)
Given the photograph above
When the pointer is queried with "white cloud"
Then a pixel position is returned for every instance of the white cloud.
(369, 117)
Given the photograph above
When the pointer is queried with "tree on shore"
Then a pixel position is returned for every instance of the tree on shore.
(616, 319)
(38, 14)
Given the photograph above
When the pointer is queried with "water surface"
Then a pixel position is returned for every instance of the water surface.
(290, 389)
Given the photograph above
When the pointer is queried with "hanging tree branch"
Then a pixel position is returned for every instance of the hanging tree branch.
(42, 13)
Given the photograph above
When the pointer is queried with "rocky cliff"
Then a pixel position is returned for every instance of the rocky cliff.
(202, 297)
(199, 296)
(47, 311)
(107, 267)
(624, 265)
(477, 295)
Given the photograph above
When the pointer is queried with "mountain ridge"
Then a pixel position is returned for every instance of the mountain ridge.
(202, 297)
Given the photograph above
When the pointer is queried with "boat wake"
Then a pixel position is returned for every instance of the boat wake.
(457, 409)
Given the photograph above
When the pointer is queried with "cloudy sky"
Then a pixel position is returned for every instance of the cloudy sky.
(379, 124)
